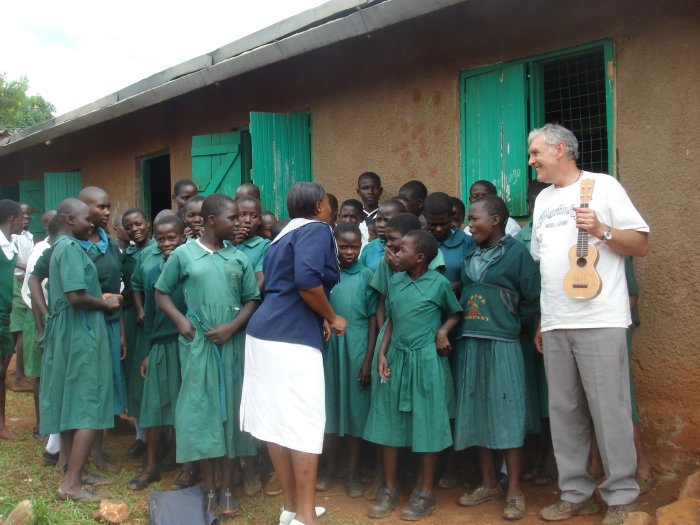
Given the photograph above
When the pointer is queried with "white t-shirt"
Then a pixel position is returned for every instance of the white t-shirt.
(512, 227)
(39, 248)
(554, 232)
(24, 243)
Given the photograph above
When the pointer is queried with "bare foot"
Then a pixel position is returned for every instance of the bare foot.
(6, 433)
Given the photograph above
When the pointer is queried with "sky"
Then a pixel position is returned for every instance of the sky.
(77, 51)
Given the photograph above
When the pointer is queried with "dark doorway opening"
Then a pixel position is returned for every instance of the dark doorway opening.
(155, 173)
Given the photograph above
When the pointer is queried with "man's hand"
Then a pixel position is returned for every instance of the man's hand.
(587, 220)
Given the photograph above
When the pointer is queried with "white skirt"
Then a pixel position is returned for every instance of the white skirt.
(283, 398)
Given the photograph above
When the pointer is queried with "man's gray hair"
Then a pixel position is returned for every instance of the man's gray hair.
(553, 134)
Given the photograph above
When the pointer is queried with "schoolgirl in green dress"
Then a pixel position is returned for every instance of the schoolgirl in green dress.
(105, 254)
(500, 286)
(76, 394)
(221, 294)
(160, 366)
(10, 223)
(409, 405)
(348, 360)
(137, 227)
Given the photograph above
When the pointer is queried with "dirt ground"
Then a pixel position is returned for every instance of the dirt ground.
(261, 509)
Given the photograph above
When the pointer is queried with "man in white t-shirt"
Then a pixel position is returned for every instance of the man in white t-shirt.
(584, 342)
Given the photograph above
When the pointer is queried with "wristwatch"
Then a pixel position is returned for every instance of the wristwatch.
(607, 234)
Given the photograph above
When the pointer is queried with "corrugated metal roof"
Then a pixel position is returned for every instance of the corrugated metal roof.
(315, 28)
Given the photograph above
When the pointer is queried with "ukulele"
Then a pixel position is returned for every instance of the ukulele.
(582, 281)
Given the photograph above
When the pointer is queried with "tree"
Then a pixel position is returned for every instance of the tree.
(17, 109)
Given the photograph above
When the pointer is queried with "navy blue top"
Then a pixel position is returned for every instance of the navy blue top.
(301, 260)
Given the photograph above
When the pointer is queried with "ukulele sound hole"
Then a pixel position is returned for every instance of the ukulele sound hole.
(581, 262)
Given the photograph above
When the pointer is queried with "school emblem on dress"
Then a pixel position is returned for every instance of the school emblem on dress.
(474, 314)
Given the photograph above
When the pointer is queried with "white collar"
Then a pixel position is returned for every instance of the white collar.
(8, 248)
(294, 224)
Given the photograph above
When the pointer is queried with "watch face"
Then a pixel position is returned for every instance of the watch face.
(607, 235)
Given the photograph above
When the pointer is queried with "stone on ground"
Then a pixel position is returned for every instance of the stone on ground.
(22, 514)
(681, 512)
(113, 511)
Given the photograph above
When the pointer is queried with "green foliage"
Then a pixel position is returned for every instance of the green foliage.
(17, 109)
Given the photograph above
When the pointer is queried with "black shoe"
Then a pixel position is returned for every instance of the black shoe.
(142, 481)
(354, 487)
(136, 449)
(50, 459)
(420, 505)
(387, 500)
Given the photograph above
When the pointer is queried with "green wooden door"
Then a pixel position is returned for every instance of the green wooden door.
(216, 163)
(59, 185)
(495, 133)
(32, 192)
(281, 150)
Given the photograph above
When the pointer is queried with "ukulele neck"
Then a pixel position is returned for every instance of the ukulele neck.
(582, 241)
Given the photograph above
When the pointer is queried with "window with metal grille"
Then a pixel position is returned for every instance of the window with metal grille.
(502, 102)
(574, 96)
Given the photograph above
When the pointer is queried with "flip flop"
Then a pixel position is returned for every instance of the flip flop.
(82, 495)
(93, 480)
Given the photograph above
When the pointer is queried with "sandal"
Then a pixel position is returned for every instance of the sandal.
(82, 495)
(184, 480)
(212, 504)
(228, 503)
(143, 480)
(88, 478)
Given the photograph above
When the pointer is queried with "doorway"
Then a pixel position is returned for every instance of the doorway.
(155, 184)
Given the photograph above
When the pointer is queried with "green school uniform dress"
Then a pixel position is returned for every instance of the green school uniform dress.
(500, 286)
(411, 408)
(215, 286)
(347, 402)
(7, 271)
(372, 254)
(106, 256)
(162, 383)
(255, 249)
(454, 249)
(76, 373)
(380, 282)
(132, 364)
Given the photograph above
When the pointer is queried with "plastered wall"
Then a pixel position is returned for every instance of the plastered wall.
(390, 103)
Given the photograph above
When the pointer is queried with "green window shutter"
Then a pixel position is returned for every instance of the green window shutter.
(494, 117)
(281, 146)
(216, 163)
(59, 185)
(32, 192)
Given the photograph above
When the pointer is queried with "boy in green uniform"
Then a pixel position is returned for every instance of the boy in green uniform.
(161, 365)
(221, 294)
(348, 360)
(183, 190)
(247, 236)
(136, 226)
(409, 406)
(76, 394)
(373, 252)
(10, 223)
